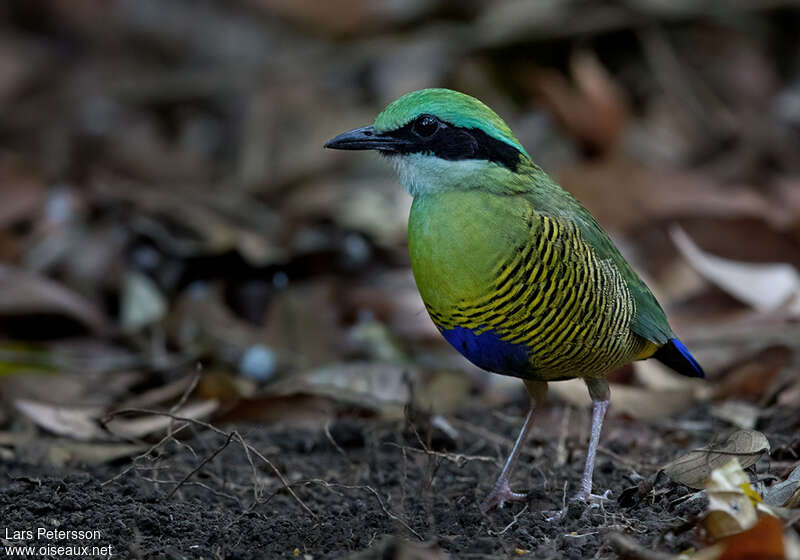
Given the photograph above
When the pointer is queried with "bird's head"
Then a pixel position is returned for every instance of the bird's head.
(441, 139)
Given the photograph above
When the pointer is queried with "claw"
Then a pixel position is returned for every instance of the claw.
(593, 500)
(554, 515)
(501, 494)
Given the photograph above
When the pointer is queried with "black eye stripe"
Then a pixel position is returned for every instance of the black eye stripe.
(455, 143)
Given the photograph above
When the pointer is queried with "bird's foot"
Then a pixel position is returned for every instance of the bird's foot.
(593, 500)
(501, 494)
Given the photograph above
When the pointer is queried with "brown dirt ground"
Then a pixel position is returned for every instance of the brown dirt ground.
(374, 490)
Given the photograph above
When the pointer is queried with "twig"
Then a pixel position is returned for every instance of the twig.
(246, 446)
(492, 437)
(195, 483)
(333, 442)
(144, 454)
(392, 516)
(635, 465)
(629, 548)
(185, 395)
(203, 463)
(558, 514)
(513, 522)
(571, 536)
(253, 468)
(457, 458)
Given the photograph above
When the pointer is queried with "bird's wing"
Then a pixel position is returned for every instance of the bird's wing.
(649, 321)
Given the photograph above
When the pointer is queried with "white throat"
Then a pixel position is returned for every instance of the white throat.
(425, 173)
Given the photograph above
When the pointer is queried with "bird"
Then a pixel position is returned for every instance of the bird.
(515, 273)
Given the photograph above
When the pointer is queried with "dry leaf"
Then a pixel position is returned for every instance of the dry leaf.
(752, 377)
(142, 302)
(595, 110)
(309, 412)
(24, 293)
(393, 297)
(731, 501)
(637, 402)
(195, 224)
(22, 195)
(76, 422)
(694, 468)
(765, 287)
(654, 375)
(343, 16)
(61, 452)
(790, 397)
(159, 395)
(155, 423)
(202, 323)
(374, 386)
(303, 322)
(82, 423)
(741, 414)
(647, 404)
(764, 540)
(444, 391)
(785, 493)
(642, 196)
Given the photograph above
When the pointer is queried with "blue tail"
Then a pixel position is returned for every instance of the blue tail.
(675, 355)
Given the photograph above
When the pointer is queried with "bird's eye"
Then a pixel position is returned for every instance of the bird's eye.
(425, 126)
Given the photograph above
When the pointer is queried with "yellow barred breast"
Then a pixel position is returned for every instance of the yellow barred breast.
(544, 290)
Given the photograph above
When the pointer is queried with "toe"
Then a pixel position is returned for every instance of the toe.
(593, 499)
(501, 494)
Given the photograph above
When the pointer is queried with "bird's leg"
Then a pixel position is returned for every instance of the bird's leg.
(502, 493)
(599, 391)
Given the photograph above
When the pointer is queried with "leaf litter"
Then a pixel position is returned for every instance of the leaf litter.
(176, 244)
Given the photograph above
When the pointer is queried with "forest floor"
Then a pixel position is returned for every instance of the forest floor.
(176, 242)
(378, 485)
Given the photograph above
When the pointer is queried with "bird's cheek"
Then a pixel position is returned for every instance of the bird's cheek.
(467, 146)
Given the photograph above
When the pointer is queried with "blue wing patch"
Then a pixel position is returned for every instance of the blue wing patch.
(488, 351)
(677, 356)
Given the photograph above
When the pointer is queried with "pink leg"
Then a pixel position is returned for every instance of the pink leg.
(502, 493)
(599, 391)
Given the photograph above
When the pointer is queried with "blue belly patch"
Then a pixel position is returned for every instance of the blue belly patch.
(488, 351)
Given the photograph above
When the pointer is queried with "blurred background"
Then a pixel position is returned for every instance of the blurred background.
(170, 221)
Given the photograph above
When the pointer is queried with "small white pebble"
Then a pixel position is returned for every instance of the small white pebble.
(258, 363)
